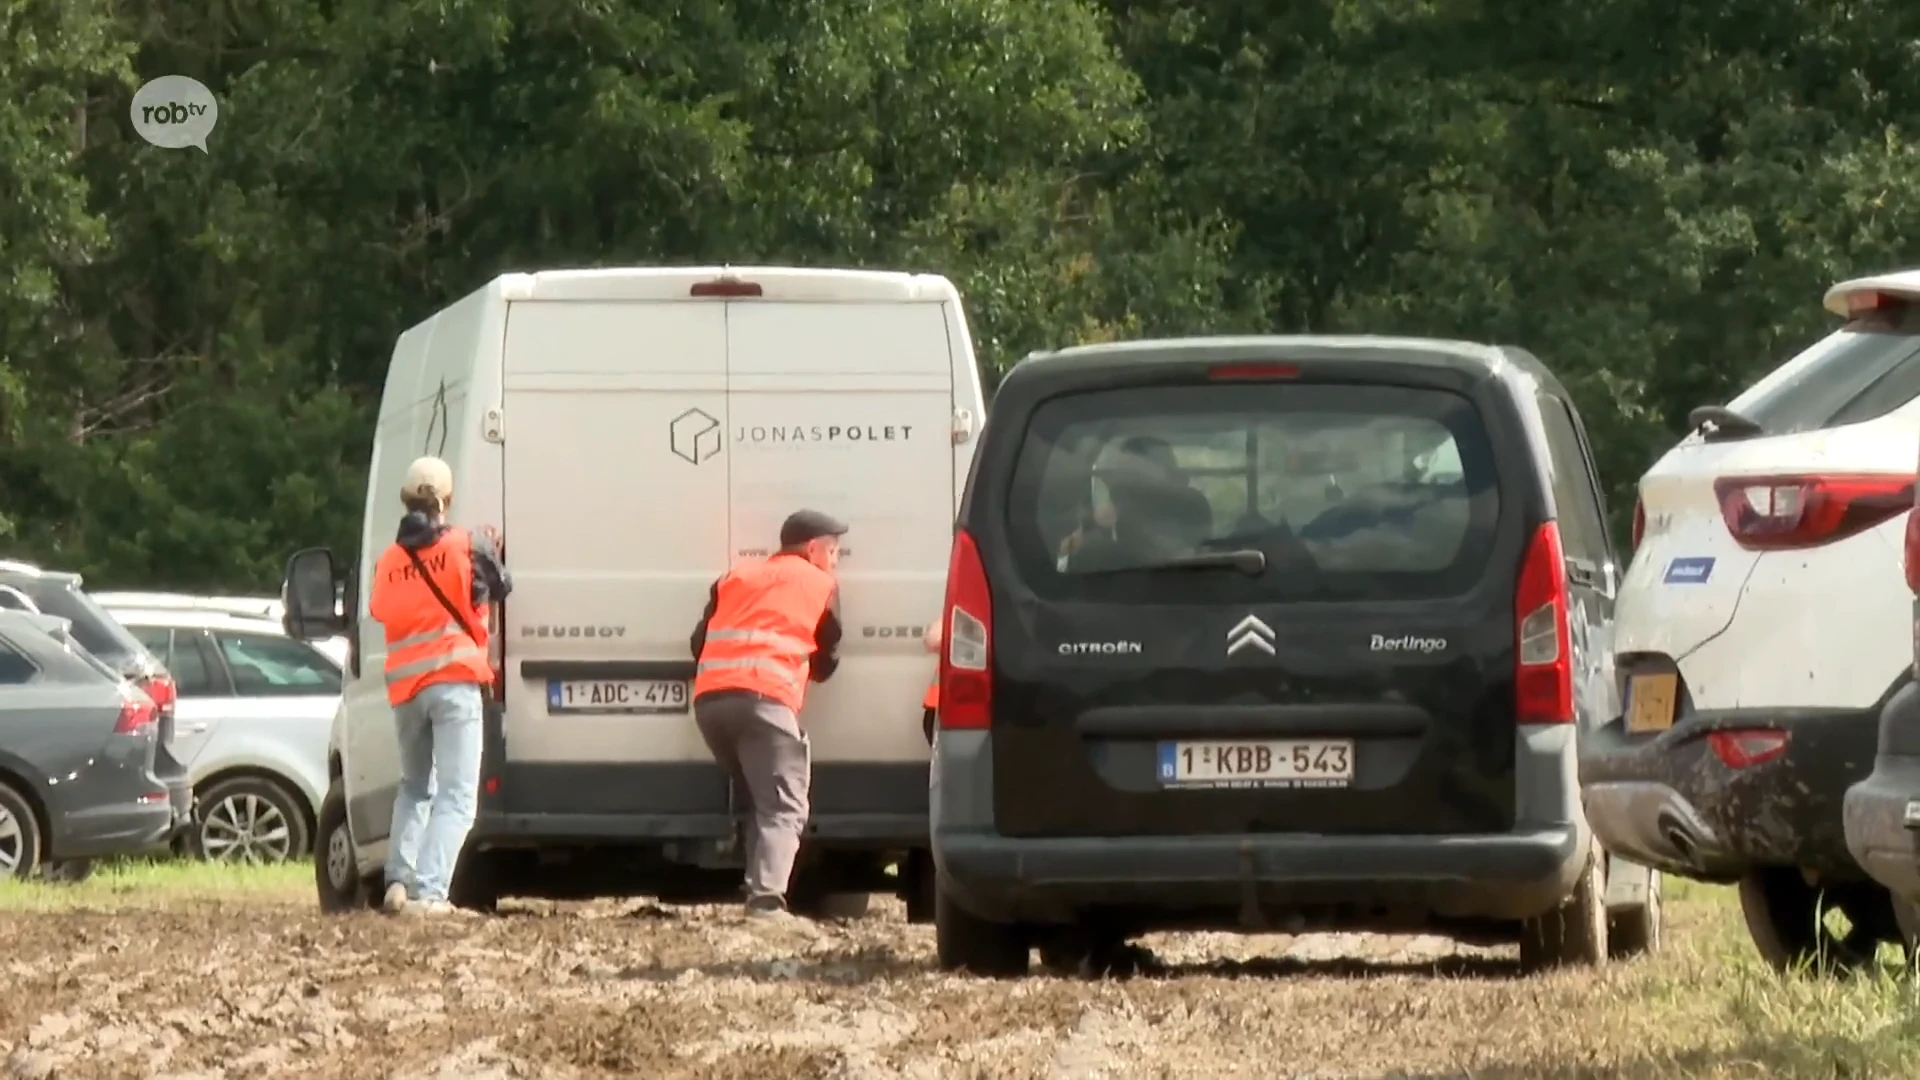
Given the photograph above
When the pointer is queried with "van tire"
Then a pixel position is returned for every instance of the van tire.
(966, 942)
(335, 872)
(476, 882)
(919, 880)
(1635, 931)
(1575, 933)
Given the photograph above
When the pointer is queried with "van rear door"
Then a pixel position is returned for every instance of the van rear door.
(616, 526)
(847, 408)
(1362, 681)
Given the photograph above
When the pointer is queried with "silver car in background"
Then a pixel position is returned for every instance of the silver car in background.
(255, 708)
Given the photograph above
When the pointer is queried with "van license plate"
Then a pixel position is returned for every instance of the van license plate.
(1292, 763)
(616, 696)
(1650, 702)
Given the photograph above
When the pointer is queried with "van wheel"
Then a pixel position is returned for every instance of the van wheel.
(19, 835)
(918, 882)
(1794, 924)
(966, 942)
(335, 871)
(1575, 933)
(1635, 931)
(476, 881)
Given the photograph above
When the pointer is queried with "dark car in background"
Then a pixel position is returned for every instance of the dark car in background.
(79, 753)
(59, 593)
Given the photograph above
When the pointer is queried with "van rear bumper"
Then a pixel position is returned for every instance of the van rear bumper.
(1502, 877)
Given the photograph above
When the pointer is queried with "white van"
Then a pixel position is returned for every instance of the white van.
(633, 431)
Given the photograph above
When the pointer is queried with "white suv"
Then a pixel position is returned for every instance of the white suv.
(255, 708)
(1762, 624)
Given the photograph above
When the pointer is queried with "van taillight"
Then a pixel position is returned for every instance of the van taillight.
(966, 677)
(1913, 552)
(1543, 661)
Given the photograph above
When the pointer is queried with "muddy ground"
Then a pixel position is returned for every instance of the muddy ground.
(221, 992)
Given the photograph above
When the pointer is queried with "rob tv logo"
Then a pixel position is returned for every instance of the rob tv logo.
(174, 112)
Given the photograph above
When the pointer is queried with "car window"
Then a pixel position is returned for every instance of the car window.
(264, 666)
(15, 669)
(1351, 491)
(193, 672)
(1583, 529)
(156, 639)
(1866, 370)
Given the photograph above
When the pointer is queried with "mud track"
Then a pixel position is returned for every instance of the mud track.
(221, 992)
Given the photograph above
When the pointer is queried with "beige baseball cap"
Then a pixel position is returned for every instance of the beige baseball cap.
(427, 478)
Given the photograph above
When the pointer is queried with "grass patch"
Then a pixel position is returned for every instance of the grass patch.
(121, 884)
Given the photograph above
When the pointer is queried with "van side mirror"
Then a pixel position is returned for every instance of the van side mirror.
(312, 601)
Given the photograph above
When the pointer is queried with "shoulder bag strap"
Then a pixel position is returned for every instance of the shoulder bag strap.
(440, 596)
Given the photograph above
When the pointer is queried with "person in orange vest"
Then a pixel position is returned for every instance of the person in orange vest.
(930, 704)
(432, 591)
(771, 625)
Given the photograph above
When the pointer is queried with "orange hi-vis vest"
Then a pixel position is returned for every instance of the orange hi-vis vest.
(425, 645)
(760, 637)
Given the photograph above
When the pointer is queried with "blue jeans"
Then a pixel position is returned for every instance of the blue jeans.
(439, 730)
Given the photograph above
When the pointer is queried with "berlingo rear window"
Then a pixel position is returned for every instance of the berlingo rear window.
(1351, 492)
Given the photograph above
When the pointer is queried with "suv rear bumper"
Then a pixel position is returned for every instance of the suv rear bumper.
(1504, 877)
(1670, 803)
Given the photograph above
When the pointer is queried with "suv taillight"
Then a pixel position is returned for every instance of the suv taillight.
(1543, 662)
(137, 714)
(1772, 513)
(1639, 522)
(966, 677)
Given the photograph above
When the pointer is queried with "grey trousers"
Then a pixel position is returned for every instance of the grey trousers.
(760, 744)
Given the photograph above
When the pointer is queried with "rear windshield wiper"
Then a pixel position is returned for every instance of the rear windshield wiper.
(1248, 561)
(1717, 423)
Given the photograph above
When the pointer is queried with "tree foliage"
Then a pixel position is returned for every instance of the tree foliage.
(1649, 196)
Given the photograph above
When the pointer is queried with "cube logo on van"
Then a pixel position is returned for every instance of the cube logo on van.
(694, 437)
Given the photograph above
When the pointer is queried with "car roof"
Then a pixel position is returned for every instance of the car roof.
(197, 619)
(1506, 363)
(15, 568)
(259, 607)
(44, 623)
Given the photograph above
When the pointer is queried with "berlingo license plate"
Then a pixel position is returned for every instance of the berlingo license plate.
(616, 696)
(1263, 763)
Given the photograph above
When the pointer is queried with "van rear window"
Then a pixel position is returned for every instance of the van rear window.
(1352, 492)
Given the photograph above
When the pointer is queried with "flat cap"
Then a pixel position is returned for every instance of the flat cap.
(804, 525)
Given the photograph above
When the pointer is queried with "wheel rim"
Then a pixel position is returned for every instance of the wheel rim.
(13, 843)
(246, 828)
(340, 859)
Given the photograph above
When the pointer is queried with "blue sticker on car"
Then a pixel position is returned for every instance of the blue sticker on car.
(1690, 571)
